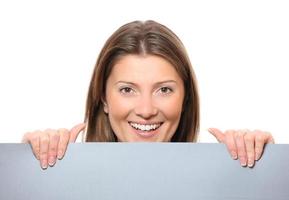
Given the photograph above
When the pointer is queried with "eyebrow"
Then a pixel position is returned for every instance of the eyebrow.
(157, 83)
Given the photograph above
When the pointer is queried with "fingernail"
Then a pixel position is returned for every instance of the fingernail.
(60, 155)
(243, 161)
(51, 161)
(250, 163)
(234, 155)
(44, 164)
(257, 156)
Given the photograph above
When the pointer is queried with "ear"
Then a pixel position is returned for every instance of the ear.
(105, 107)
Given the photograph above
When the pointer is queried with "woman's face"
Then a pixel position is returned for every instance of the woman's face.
(144, 97)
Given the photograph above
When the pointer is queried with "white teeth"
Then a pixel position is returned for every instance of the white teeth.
(145, 127)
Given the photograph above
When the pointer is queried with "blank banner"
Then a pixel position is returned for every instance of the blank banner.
(144, 171)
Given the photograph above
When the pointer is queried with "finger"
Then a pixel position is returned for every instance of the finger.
(35, 144)
(249, 139)
(53, 146)
(259, 144)
(270, 139)
(25, 138)
(74, 132)
(44, 146)
(217, 134)
(230, 143)
(63, 142)
(241, 149)
(261, 139)
(33, 140)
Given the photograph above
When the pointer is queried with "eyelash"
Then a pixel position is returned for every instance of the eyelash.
(128, 90)
(124, 90)
(168, 90)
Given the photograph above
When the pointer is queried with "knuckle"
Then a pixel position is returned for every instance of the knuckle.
(62, 141)
(239, 134)
(242, 153)
(257, 130)
(27, 135)
(43, 157)
(64, 137)
(48, 130)
(51, 132)
(35, 134)
(30, 136)
(268, 134)
(248, 138)
(250, 153)
(36, 150)
(44, 140)
(43, 154)
(52, 153)
(229, 132)
(251, 156)
(63, 130)
(259, 138)
(62, 146)
(35, 139)
(54, 136)
(232, 148)
(258, 149)
(52, 148)
(61, 149)
(65, 134)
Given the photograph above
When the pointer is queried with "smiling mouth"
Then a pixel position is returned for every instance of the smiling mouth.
(145, 127)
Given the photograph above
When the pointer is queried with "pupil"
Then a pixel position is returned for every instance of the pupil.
(164, 89)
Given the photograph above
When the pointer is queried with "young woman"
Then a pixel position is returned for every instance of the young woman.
(143, 89)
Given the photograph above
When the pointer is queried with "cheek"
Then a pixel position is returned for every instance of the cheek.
(118, 111)
(118, 107)
(172, 108)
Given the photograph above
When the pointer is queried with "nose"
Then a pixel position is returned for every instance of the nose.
(145, 107)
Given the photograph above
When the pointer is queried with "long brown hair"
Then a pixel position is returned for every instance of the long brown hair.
(141, 38)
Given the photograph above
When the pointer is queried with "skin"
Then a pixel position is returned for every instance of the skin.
(146, 87)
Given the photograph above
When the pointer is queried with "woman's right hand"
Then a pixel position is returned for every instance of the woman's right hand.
(50, 145)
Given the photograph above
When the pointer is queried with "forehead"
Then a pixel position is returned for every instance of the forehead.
(143, 67)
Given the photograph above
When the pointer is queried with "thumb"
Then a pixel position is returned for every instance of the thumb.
(219, 135)
(74, 132)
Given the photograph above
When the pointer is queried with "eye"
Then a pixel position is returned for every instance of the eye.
(166, 90)
(126, 90)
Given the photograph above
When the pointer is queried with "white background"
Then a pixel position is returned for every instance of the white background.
(239, 51)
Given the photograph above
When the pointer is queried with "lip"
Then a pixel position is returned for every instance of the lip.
(145, 123)
(145, 134)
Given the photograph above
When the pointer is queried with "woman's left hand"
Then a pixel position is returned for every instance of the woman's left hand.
(245, 145)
